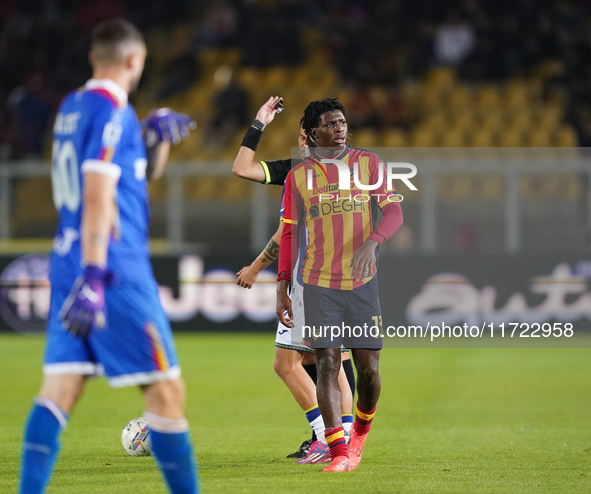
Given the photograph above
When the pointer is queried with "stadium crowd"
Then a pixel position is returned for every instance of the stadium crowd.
(43, 46)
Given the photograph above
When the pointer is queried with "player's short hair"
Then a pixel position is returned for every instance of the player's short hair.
(314, 110)
(111, 40)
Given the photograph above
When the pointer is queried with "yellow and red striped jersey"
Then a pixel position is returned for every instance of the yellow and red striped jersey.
(338, 221)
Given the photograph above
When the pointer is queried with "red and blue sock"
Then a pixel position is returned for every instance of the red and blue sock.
(335, 438)
(363, 420)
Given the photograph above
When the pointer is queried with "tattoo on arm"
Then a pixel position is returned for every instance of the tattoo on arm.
(271, 252)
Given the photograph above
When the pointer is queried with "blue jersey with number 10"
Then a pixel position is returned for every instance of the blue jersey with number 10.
(97, 130)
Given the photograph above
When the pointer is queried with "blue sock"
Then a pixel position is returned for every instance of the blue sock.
(174, 455)
(347, 423)
(40, 445)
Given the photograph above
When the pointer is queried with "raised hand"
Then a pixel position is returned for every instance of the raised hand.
(267, 112)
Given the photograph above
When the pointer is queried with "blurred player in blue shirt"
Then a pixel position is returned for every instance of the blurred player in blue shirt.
(105, 315)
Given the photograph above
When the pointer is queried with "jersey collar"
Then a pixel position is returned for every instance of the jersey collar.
(337, 157)
(108, 85)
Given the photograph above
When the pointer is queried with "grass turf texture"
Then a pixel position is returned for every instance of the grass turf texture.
(449, 420)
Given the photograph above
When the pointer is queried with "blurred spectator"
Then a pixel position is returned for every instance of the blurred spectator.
(271, 37)
(180, 75)
(89, 14)
(11, 146)
(395, 112)
(32, 111)
(402, 242)
(454, 40)
(362, 110)
(231, 112)
(420, 56)
(219, 29)
(370, 43)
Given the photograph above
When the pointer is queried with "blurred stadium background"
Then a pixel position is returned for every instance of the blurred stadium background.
(491, 99)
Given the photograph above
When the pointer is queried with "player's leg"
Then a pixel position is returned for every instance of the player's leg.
(363, 307)
(369, 383)
(47, 419)
(346, 397)
(369, 386)
(308, 358)
(324, 308)
(309, 365)
(171, 443)
(134, 314)
(63, 390)
(328, 364)
(348, 368)
(66, 363)
(166, 398)
(288, 366)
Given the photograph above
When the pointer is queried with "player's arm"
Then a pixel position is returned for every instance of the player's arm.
(284, 277)
(244, 164)
(98, 214)
(249, 274)
(85, 304)
(162, 128)
(364, 259)
(101, 170)
(157, 160)
(287, 249)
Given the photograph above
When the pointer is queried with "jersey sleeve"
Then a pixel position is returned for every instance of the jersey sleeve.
(276, 171)
(382, 194)
(282, 204)
(103, 139)
(388, 202)
(292, 201)
(288, 247)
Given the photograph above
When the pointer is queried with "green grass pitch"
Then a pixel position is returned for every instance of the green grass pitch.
(449, 420)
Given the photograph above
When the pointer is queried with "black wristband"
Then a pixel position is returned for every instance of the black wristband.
(258, 124)
(252, 138)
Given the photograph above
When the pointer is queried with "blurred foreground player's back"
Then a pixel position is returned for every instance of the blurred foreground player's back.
(104, 294)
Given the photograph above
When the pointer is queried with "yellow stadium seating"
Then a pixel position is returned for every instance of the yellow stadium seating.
(454, 137)
(482, 138)
(441, 78)
(488, 97)
(365, 138)
(492, 119)
(395, 138)
(424, 137)
(566, 137)
(460, 99)
(540, 137)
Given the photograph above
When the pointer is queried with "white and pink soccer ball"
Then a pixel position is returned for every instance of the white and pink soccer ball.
(136, 438)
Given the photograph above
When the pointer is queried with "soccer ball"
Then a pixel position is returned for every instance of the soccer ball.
(136, 438)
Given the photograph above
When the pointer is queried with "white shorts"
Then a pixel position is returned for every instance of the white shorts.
(291, 338)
